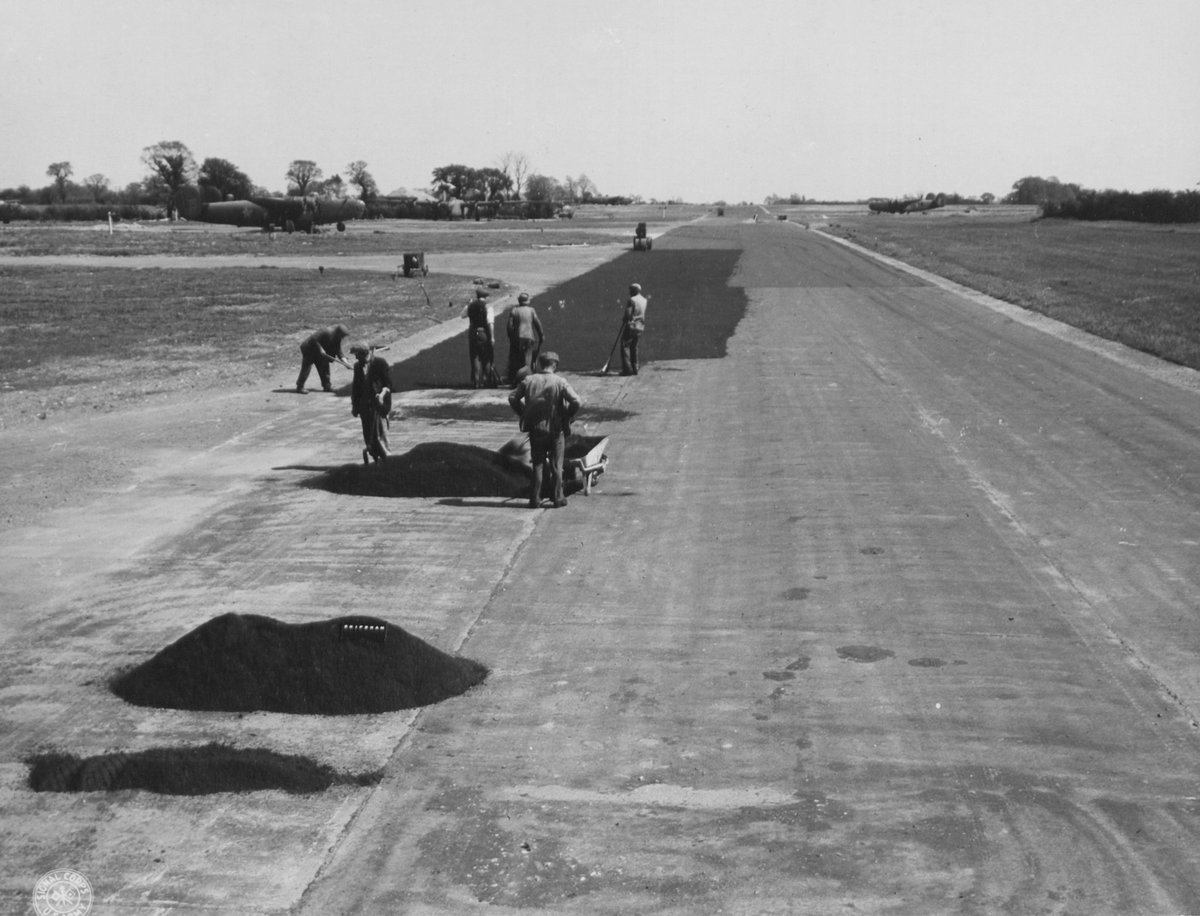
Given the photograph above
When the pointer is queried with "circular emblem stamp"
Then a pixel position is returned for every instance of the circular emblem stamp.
(62, 892)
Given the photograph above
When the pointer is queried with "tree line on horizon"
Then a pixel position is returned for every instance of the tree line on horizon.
(1064, 200)
(174, 177)
(795, 199)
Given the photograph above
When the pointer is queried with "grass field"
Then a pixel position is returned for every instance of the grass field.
(1137, 284)
(93, 338)
(592, 225)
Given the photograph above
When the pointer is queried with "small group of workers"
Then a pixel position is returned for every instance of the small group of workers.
(525, 337)
(544, 401)
(370, 391)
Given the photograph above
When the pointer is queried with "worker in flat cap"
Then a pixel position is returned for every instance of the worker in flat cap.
(546, 403)
(481, 347)
(320, 349)
(371, 400)
(525, 339)
(633, 326)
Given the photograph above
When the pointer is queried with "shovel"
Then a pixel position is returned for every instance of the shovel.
(604, 368)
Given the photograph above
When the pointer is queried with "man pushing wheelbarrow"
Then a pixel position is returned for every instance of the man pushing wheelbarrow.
(546, 403)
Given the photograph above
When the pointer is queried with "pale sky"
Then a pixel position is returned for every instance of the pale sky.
(692, 99)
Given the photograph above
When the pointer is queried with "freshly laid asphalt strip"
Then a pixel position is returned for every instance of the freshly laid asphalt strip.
(693, 311)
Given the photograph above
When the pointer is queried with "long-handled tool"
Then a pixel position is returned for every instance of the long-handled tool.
(427, 302)
(336, 359)
(604, 368)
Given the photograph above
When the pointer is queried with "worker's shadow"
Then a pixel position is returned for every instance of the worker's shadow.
(459, 502)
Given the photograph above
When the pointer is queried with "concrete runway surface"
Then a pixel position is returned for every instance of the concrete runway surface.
(891, 609)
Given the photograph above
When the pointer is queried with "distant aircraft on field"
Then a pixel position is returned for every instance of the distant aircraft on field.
(906, 204)
(286, 213)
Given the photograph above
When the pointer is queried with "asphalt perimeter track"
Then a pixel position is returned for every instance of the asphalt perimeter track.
(885, 604)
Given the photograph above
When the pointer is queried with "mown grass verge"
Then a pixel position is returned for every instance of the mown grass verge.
(1132, 283)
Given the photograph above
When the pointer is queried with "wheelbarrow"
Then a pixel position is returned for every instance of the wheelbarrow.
(584, 460)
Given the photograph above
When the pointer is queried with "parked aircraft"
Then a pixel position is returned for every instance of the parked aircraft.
(286, 213)
(906, 204)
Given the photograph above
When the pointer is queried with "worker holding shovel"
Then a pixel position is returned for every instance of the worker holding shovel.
(633, 324)
(371, 400)
(320, 349)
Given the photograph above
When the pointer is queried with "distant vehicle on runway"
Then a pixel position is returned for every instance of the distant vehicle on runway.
(641, 241)
(906, 204)
(286, 213)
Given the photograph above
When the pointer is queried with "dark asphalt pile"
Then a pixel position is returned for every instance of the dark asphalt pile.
(431, 469)
(692, 314)
(346, 666)
(188, 771)
(445, 469)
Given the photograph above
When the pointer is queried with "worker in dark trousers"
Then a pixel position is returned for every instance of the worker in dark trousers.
(525, 338)
(632, 328)
(545, 402)
(320, 349)
(367, 401)
(480, 345)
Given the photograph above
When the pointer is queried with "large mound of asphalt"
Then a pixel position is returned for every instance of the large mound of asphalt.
(693, 312)
(431, 469)
(447, 469)
(346, 666)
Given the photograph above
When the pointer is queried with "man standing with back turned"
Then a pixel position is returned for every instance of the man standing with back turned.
(634, 324)
(545, 402)
(480, 346)
(525, 338)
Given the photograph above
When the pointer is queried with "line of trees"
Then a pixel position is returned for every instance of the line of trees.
(1060, 200)
(174, 179)
(1144, 207)
(984, 199)
(173, 176)
(512, 178)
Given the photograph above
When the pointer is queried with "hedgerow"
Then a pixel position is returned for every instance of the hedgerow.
(1156, 206)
